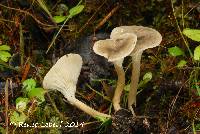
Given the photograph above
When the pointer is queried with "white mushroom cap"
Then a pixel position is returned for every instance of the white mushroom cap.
(63, 76)
(116, 48)
(146, 37)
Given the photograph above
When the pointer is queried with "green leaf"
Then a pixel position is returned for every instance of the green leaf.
(76, 10)
(102, 119)
(175, 51)
(17, 118)
(2, 130)
(127, 87)
(197, 126)
(197, 53)
(181, 63)
(59, 19)
(4, 56)
(21, 103)
(29, 84)
(193, 34)
(148, 76)
(38, 93)
(4, 48)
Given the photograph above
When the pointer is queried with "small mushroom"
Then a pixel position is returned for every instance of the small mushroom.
(115, 50)
(146, 38)
(63, 76)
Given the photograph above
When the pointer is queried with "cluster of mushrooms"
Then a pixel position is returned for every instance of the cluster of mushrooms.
(124, 41)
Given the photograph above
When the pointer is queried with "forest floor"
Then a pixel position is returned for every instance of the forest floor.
(35, 33)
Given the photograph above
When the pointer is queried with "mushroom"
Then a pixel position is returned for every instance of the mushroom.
(115, 50)
(146, 38)
(63, 76)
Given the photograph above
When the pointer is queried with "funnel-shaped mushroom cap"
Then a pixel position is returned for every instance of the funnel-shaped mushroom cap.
(63, 76)
(146, 37)
(117, 48)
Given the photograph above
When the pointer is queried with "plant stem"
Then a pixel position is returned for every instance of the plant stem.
(179, 29)
(6, 106)
(54, 38)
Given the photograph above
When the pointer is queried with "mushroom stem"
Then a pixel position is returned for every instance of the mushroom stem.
(82, 106)
(120, 85)
(136, 58)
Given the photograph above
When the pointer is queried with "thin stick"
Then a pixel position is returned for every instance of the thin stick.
(21, 45)
(172, 105)
(27, 13)
(107, 17)
(179, 29)
(192, 9)
(104, 97)
(54, 38)
(88, 22)
(6, 106)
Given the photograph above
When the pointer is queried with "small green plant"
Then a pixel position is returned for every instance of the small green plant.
(31, 93)
(58, 19)
(72, 12)
(175, 51)
(197, 126)
(2, 130)
(105, 122)
(181, 64)
(194, 34)
(4, 53)
(146, 78)
(197, 53)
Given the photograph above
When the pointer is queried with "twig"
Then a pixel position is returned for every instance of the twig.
(21, 45)
(26, 70)
(11, 21)
(88, 22)
(107, 17)
(25, 12)
(105, 97)
(172, 105)
(6, 106)
(192, 9)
